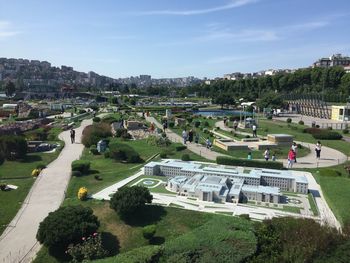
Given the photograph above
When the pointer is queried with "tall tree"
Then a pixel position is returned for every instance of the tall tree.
(10, 88)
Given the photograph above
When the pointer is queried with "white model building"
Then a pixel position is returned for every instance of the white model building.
(219, 183)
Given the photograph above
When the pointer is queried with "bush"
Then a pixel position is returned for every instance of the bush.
(82, 193)
(185, 157)
(91, 248)
(197, 124)
(329, 128)
(345, 131)
(301, 122)
(82, 111)
(289, 120)
(180, 148)
(171, 124)
(93, 150)
(323, 134)
(107, 154)
(149, 231)
(163, 155)
(248, 163)
(67, 225)
(128, 201)
(81, 166)
(123, 152)
(269, 117)
(158, 141)
(13, 147)
(76, 173)
(96, 119)
(94, 133)
(3, 186)
(206, 124)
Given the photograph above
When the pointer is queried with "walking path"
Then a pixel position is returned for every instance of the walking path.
(196, 148)
(18, 242)
(330, 156)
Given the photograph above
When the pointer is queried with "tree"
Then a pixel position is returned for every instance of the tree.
(67, 225)
(13, 147)
(129, 200)
(10, 88)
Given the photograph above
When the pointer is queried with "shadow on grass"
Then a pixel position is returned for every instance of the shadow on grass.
(150, 214)
(157, 241)
(110, 243)
(30, 158)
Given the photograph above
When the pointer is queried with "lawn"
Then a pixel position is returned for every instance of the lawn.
(312, 204)
(19, 174)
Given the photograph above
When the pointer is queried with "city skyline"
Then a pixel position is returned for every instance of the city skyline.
(167, 39)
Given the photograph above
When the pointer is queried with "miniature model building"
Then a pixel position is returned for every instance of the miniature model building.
(219, 183)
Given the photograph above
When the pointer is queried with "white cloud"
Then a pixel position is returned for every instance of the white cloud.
(6, 30)
(230, 5)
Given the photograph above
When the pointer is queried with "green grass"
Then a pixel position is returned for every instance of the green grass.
(19, 174)
(175, 205)
(313, 204)
(291, 209)
(224, 213)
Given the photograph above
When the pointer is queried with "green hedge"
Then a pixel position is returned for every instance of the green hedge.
(180, 148)
(123, 152)
(323, 134)
(81, 166)
(248, 163)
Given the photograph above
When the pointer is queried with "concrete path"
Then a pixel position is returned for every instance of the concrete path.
(196, 148)
(18, 242)
(329, 156)
(105, 193)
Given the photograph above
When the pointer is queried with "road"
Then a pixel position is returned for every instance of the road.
(18, 242)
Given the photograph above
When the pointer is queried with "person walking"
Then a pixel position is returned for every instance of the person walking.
(318, 150)
(249, 157)
(267, 154)
(208, 143)
(235, 125)
(294, 148)
(184, 136)
(291, 158)
(165, 125)
(273, 158)
(254, 130)
(72, 135)
(190, 136)
(196, 138)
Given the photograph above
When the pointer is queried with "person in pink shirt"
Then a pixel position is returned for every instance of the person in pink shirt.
(291, 158)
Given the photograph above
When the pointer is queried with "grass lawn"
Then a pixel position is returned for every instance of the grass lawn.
(19, 174)
(312, 204)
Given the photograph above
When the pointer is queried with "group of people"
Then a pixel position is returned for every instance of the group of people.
(292, 154)
(192, 136)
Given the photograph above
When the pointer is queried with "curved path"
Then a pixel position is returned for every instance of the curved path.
(18, 242)
(329, 156)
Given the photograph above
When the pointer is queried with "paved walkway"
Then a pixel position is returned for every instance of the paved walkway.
(18, 242)
(196, 148)
(330, 156)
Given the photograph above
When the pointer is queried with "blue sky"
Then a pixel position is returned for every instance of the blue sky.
(173, 38)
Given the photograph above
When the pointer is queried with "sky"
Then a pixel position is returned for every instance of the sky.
(174, 38)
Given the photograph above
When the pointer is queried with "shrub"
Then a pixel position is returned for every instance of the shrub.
(269, 117)
(2, 158)
(107, 154)
(94, 133)
(329, 128)
(289, 120)
(82, 193)
(301, 122)
(96, 119)
(189, 119)
(93, 150)
(197, 124)
(248, 163)
(322, 134)
(185, 157)
(123, 152)
(163, 155)
(76, 173)
(81, 166)
(67, 225)
(180, 148)
(206, 124)
(345, 131)
(127, 201)
(91, 248)
(158, 141)
(171, 124)
(82, 111)
(149, 231)
(247, 136)
(13, 147)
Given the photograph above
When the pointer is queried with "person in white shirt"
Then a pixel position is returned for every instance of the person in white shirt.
(318, 150)
(254, 130)
(184, 136)
(294, 148)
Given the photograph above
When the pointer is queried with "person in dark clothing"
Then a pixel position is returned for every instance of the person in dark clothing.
(190, 136)
(72, 135)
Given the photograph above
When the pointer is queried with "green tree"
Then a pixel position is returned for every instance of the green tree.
(13, 147)
(128, 201)
(67, 225)
(10, 88)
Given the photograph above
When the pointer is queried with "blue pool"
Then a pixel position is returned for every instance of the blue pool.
(219, 113)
